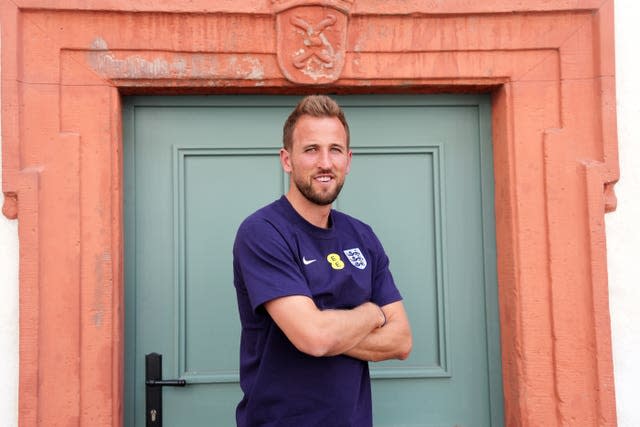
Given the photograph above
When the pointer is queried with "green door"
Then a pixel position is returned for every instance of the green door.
(421, 175)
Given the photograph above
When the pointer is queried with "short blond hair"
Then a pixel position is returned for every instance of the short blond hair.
(314, 106)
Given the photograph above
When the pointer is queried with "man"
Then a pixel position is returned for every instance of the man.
(315, 295)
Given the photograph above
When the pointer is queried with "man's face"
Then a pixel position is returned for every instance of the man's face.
(318, 159)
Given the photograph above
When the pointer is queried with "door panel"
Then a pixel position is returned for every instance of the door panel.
(195, 167)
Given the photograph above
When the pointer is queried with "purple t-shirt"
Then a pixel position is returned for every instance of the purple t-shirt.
(278, 253)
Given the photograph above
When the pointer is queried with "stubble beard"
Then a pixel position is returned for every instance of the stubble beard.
(316, 197)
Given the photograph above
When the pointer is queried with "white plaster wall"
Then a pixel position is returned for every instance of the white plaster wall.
(623, 225)
(623, 242)
(8, 322)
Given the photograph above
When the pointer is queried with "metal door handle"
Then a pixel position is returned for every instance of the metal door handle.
(166, 383)
(154, 384)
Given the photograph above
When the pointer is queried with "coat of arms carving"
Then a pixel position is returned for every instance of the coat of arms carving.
(311, 41)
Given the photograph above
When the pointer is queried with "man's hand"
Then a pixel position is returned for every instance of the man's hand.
(392, 341)
(323, 332)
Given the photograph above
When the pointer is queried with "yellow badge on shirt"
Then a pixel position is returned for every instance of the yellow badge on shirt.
(335, 261)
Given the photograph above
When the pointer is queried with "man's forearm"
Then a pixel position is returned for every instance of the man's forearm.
(344, 329)
(393, 341)
(323, 332)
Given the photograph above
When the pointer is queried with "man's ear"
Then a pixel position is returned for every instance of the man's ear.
(285, 160)
(349, 155)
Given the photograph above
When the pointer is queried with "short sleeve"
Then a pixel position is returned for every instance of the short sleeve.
(266, 264)
(384, 289)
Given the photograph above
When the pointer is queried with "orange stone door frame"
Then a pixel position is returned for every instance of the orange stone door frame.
(548, 64)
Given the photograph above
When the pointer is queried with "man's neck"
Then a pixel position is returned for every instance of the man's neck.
(314, 214)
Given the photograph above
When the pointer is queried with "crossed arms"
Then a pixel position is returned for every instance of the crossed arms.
(358, 332)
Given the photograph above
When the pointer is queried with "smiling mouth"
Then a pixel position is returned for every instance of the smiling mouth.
(323, 178)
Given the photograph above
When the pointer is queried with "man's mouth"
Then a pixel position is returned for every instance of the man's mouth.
(323, 178)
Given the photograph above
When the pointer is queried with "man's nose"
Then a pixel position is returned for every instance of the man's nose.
(324, 159)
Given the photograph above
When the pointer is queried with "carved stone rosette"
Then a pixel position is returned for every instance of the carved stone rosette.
(311, 39)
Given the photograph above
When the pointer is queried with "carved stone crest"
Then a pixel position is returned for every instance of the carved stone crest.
(311, 40)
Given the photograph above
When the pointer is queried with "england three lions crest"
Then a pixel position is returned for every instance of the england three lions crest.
(356, 258)
(311, 43)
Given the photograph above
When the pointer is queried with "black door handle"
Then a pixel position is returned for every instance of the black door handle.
(154, 384)
(166, 383)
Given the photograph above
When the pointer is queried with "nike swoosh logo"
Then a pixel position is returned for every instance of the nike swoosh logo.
(307, 261)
